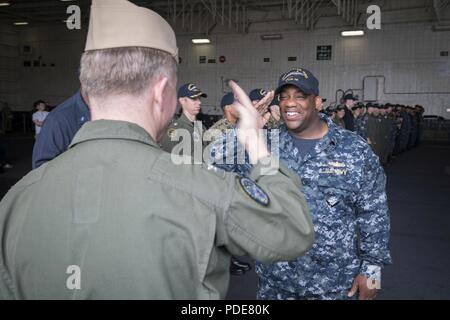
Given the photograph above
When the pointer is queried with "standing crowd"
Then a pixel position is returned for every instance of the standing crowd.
(156, 207)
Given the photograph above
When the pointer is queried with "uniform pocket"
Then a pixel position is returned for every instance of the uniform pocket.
(334, 224)
(335, 201)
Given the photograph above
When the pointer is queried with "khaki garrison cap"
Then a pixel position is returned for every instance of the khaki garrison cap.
(120, 23)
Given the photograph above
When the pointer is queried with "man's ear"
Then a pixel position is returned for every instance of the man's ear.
(180, 100)
(317, 102)
(159, 88)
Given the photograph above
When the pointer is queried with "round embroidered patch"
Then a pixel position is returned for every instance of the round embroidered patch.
(254, 191)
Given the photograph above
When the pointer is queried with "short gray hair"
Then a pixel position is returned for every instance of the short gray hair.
(128, 70)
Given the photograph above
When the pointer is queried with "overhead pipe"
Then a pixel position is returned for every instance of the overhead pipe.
(289, 8)
(183, 3)
(192, 17)
(244, 13)
(229, 13)
(307, 16)
(349, 11)
(302, 17)
(344, 2)
(237, 16)
(296, 11)
(223, 12)
(317, 6)
(174, 12)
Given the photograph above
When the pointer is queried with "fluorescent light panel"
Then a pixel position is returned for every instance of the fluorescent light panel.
(352, 33)
(20, 23)
(271, 37)
(201, 41)
(4, 4)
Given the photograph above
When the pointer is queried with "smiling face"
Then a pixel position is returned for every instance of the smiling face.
(298, 109)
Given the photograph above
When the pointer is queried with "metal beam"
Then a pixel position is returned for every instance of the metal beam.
(439, 6)
(347, 9)
(314, 19)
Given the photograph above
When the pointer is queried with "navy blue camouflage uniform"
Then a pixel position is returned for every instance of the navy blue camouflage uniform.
(344, 186)
(361, 125)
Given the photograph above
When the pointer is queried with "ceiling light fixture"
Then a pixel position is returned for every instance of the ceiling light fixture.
(201, 41)
(271, 36)
(352, 33)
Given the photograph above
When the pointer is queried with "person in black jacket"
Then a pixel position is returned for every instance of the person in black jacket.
(349, 120)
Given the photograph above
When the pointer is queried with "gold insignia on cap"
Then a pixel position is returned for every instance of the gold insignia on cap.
(290, 75)
(196, 95)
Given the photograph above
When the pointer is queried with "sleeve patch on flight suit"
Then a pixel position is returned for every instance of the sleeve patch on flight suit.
(254, 191)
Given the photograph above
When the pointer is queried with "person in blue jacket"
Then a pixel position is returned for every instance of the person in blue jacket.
(59, 129)
(345, 188)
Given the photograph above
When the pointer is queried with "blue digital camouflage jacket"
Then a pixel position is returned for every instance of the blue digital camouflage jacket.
(345, 188)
